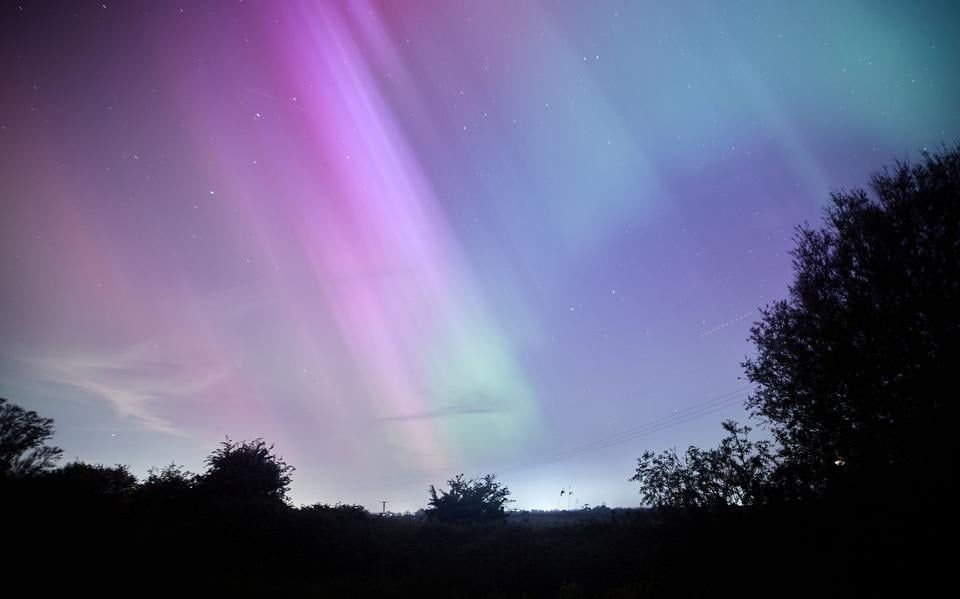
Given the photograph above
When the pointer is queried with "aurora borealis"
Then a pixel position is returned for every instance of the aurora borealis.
(403, 240)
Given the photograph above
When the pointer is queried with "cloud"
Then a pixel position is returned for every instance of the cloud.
(478, 404)
(137, 382)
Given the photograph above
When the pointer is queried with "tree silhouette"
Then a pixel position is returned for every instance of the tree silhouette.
(22, 437)
(734, 473)
(246, 470)
(473, 500)
(855, 368)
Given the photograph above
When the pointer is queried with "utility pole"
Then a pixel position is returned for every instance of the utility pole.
(383, 507)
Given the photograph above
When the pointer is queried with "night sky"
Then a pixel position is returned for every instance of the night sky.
(404, 240)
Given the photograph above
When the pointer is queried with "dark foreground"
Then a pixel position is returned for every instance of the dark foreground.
(117, 545)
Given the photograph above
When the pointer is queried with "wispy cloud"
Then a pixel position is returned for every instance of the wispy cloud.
(137, 382)
(474, 405)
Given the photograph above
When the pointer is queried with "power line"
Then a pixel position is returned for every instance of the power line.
(670, 422)
(726, 397)
(710, 406)
(637, 435)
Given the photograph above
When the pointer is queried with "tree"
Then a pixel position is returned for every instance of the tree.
(473, 500)
(22, 437)
(734, 473)
(246, 470)
(856, 367)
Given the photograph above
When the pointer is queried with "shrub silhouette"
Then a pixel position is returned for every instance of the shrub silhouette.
(245, 470)
(22, 437)
(165, 488)
(734, 473)
(340, 512)
(169, 479)
(473, 500)
(90, 480)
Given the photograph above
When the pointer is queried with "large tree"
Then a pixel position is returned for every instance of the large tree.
(855, 369)
(23, 435)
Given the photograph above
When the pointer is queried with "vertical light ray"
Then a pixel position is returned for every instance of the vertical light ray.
(400, 291)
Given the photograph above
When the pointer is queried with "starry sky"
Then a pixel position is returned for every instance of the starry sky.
(404, 240)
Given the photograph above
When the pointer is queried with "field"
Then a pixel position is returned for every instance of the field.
(117, 546)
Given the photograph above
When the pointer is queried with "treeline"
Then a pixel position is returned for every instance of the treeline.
(84, 529)
(238, 472)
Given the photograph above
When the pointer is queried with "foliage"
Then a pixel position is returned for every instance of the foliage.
(168, 485)
(734, 473)
(245, 470)
(854, 368)
(342, 512)
(473, 500)
(22, 437)
(171, 476)
(94, 479)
